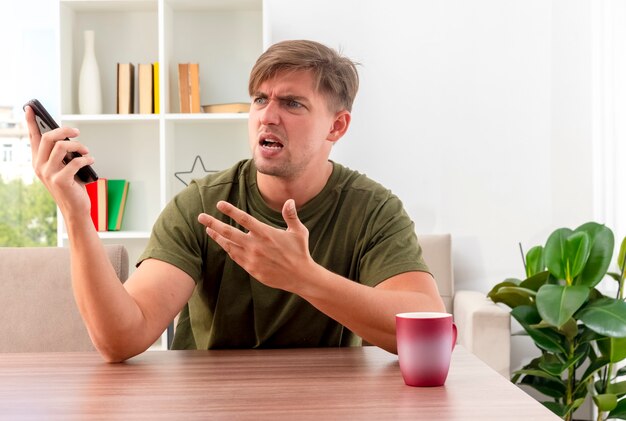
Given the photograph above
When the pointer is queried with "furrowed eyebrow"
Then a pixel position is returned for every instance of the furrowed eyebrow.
(287, 97)
(293, 98)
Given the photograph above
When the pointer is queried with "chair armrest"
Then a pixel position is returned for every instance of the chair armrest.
(484, 329)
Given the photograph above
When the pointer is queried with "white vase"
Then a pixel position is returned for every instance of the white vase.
(89, 90)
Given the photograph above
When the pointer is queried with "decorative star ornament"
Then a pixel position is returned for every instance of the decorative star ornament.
(196, 172)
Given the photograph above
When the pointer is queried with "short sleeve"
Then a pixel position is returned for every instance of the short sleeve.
(177, 236)
(393, 247)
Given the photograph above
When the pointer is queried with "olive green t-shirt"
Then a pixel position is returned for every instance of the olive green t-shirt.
(357, 229)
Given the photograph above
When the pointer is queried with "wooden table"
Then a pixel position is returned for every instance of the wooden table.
(295, 384)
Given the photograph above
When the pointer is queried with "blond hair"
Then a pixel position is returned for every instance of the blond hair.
(335, 76)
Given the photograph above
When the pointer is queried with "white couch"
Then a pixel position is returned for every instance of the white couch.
(483, 327)
(38, 312)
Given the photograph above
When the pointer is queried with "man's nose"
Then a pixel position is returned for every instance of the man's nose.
(270, 113)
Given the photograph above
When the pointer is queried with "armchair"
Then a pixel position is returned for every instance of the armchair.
(37, 308)
(483, 328)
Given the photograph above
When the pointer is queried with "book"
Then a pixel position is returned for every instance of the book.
(97, 192)
(155, 82)
(117, 192)
(189, 87)
(125, 88)
(194, 87)
(183, 88)
(232, 107)
(145, 82)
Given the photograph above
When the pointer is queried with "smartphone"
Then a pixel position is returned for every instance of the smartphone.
(46, 123)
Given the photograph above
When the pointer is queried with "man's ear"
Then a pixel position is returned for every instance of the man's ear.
(340, 125)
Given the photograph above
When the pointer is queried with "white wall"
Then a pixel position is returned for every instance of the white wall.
(477, 114)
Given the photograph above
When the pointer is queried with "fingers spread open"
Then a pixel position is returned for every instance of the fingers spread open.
(219, 228)
(242, 218)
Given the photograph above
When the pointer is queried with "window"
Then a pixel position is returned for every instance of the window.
(7, 153)
(28, 36)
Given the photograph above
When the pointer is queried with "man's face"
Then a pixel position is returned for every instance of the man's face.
(289, 125)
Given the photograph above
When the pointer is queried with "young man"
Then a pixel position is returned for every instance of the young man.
(287, 249)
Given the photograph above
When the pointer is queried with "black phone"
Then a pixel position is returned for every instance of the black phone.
(46, 123)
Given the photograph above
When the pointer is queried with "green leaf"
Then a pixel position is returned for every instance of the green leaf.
(534, 261)
(552, 365)
(580, 354)
(524, 292)
(606, 316)
(618, 388)
(577, 248)
(602, 243)
(538, 373)
(576, 404)
(549, 387)
(605, 402)
(594, 366)
(545, 339)
(536, 281)
(526, 315)
(512, 296)
(588, 335)
(509, 282)
(621, 256)
(563, 410)
(557, 408)
(613, 348)
(557, 303)
(554, 252)
(619, 411)
(569, 329)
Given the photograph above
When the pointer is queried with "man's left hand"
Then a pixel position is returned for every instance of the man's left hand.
(272, 256)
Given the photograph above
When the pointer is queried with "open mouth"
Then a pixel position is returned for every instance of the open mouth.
(269, 143)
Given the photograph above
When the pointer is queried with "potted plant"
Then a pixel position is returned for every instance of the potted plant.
(580, 331)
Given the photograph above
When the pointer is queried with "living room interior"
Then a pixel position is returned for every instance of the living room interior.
(496, 122)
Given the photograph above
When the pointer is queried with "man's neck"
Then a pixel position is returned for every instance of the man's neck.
(275, 191)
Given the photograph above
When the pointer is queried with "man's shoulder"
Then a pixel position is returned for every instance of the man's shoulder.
(354, 181)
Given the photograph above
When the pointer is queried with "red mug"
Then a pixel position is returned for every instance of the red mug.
(425, 342)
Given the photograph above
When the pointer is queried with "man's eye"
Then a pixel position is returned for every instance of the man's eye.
(260, 100)
(293, 104)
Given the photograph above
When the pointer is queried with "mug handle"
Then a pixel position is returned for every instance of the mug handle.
(454, 335)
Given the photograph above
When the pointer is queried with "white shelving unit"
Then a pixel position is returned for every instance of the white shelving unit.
(224, 36)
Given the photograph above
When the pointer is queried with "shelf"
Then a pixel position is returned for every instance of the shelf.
(225, 37)
(111, 6)
(121, 118)
(207, 117)
(113, 235)
(214, 5)
(99, 118)
(121, 235)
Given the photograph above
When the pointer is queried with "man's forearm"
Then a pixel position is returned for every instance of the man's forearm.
(108, 311)
(366, 311)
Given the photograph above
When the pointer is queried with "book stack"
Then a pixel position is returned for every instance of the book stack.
(108, 202)
(125, 88)
(147, 87)
(232, 107)
(189, 87)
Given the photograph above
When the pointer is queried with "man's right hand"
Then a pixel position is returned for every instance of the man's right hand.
(48, 151)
